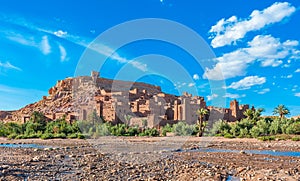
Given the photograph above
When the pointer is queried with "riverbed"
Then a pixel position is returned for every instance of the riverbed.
(143, 158)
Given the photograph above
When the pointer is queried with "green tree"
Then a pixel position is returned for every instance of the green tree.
(253, 114)
(200, 122)
(94, 118)
(249, 114)
(39, 119)
(127, 119)
(281, 110)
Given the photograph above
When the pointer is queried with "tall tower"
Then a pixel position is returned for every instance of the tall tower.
(234, 107)
(95, 75)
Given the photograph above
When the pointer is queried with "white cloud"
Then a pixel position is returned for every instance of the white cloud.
(263, 91)
(196, 77)
(271, 62)
(138, 65)
(63, 53)
(267, 50)
(228, 31)
(211, 97)
(286, 77)
(297, 94)
(45, 46)
(297, 71)
(8, 65)
(233, 96)
(27, 41)
(60, 33)
(247, 82)
(191, 84)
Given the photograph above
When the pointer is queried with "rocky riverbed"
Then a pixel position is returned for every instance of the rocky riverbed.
(136, 158)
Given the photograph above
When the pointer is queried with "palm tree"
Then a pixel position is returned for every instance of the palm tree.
(249, 113)
(253, 114)
(281, 110)
(257, 113)
(201, 113)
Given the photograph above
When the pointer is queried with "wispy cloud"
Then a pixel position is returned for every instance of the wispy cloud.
(297, 71)
(286, 76)
(191, 84)
(211, 97)
(8, 65)
(228, 31)
(45, 46)
(63, 53)
(247, 82)
(297, 94)
(265, 49)
(233, 96)
(263, 91)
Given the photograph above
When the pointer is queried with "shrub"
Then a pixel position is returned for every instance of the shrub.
(220, 128)
(275, 127)
(228, 135)
(283, 137)
(132, 131)
(255, 132)
(183, 129)
(47, 136)
(72, 136)
(150, 132)
(267, 138)
(80, 136)
(12, 136)
(166, 129)
(102, 130)
(235, 130)
(296, 138)
(60, 135)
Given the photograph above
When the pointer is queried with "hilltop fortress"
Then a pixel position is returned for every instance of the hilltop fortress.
(117, 101)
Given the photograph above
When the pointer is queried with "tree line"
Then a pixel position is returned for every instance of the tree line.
(252, 126)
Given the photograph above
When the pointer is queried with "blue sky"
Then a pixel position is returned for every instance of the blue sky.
(256, 44)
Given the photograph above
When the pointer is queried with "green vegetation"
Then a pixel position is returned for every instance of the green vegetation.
(253, 126)
(200, 122)
(265, 129)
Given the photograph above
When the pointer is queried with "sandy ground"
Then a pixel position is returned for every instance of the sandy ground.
(143, 158)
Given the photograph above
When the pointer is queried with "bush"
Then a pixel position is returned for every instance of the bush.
(60, 135)
(47, 136)
(235, 130)
(220, 128)
(275, 127)
(72, 136)
(12, 136)
(255, 132)
(102, 130)
(267, 138)
(228, 135)
(80, 136)
(132, 131)
(296, 138)
(167, 129)
(150, 132)
(183, 129)
(283, 137)
(118, 130)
